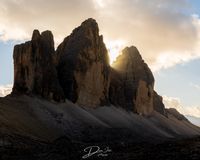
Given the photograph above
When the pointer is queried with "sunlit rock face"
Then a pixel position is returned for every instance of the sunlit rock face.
(144, 98)
(132, 82)
(34, 70)
(83, 66)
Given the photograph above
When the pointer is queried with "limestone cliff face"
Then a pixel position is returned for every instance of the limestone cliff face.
(79, 70)
(144, 98)
(83, 66)
(132, 82)
(158, 104)
(34, 71)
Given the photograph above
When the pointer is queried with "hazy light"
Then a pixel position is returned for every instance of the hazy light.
(114, 49)
(100, 3)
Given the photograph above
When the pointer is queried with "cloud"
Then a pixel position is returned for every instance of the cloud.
(162, 31)
(5, 90)
(165, 32)
(172, 102)
(19, 17)
(196, 86)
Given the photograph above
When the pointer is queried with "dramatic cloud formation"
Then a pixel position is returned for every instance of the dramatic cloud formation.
(165, 32)
(171, 102)
(19, 17)
(5, 90)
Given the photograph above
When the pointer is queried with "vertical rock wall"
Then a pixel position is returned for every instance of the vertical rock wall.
(34, 70)
(79, 70)
(136, 81)
(83, 66)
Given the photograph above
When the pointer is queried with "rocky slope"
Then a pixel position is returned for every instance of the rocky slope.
(43, 120)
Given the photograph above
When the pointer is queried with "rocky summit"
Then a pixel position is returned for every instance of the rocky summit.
(79, 71)
(34, 69)
(83, 66)
(132, 82)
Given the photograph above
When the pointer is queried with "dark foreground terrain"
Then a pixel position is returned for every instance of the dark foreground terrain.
(21, 148)
(33, 129)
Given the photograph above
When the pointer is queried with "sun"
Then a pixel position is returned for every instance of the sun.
(114, 49)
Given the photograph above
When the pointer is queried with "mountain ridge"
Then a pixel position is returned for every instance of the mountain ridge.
(79, 71)
(74, 92)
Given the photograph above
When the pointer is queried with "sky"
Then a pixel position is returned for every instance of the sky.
(166, 32)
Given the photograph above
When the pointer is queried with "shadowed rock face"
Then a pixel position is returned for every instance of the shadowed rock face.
(79, 71)
(158, 104)
(83, 66)
(173, 112)
(132, 82)
(34, 71)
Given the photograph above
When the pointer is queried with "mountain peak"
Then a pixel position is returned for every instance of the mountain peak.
(83, 63)
(34, 68)
(79, 71)
(89, 22)
(47, 36)
(132, 52)
(35, 35)
(137, 82)
(88, 28)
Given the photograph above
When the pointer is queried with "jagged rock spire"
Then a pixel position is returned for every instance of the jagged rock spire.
(83, 66)
(79, 70)
(34, 71)
(132, 82)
